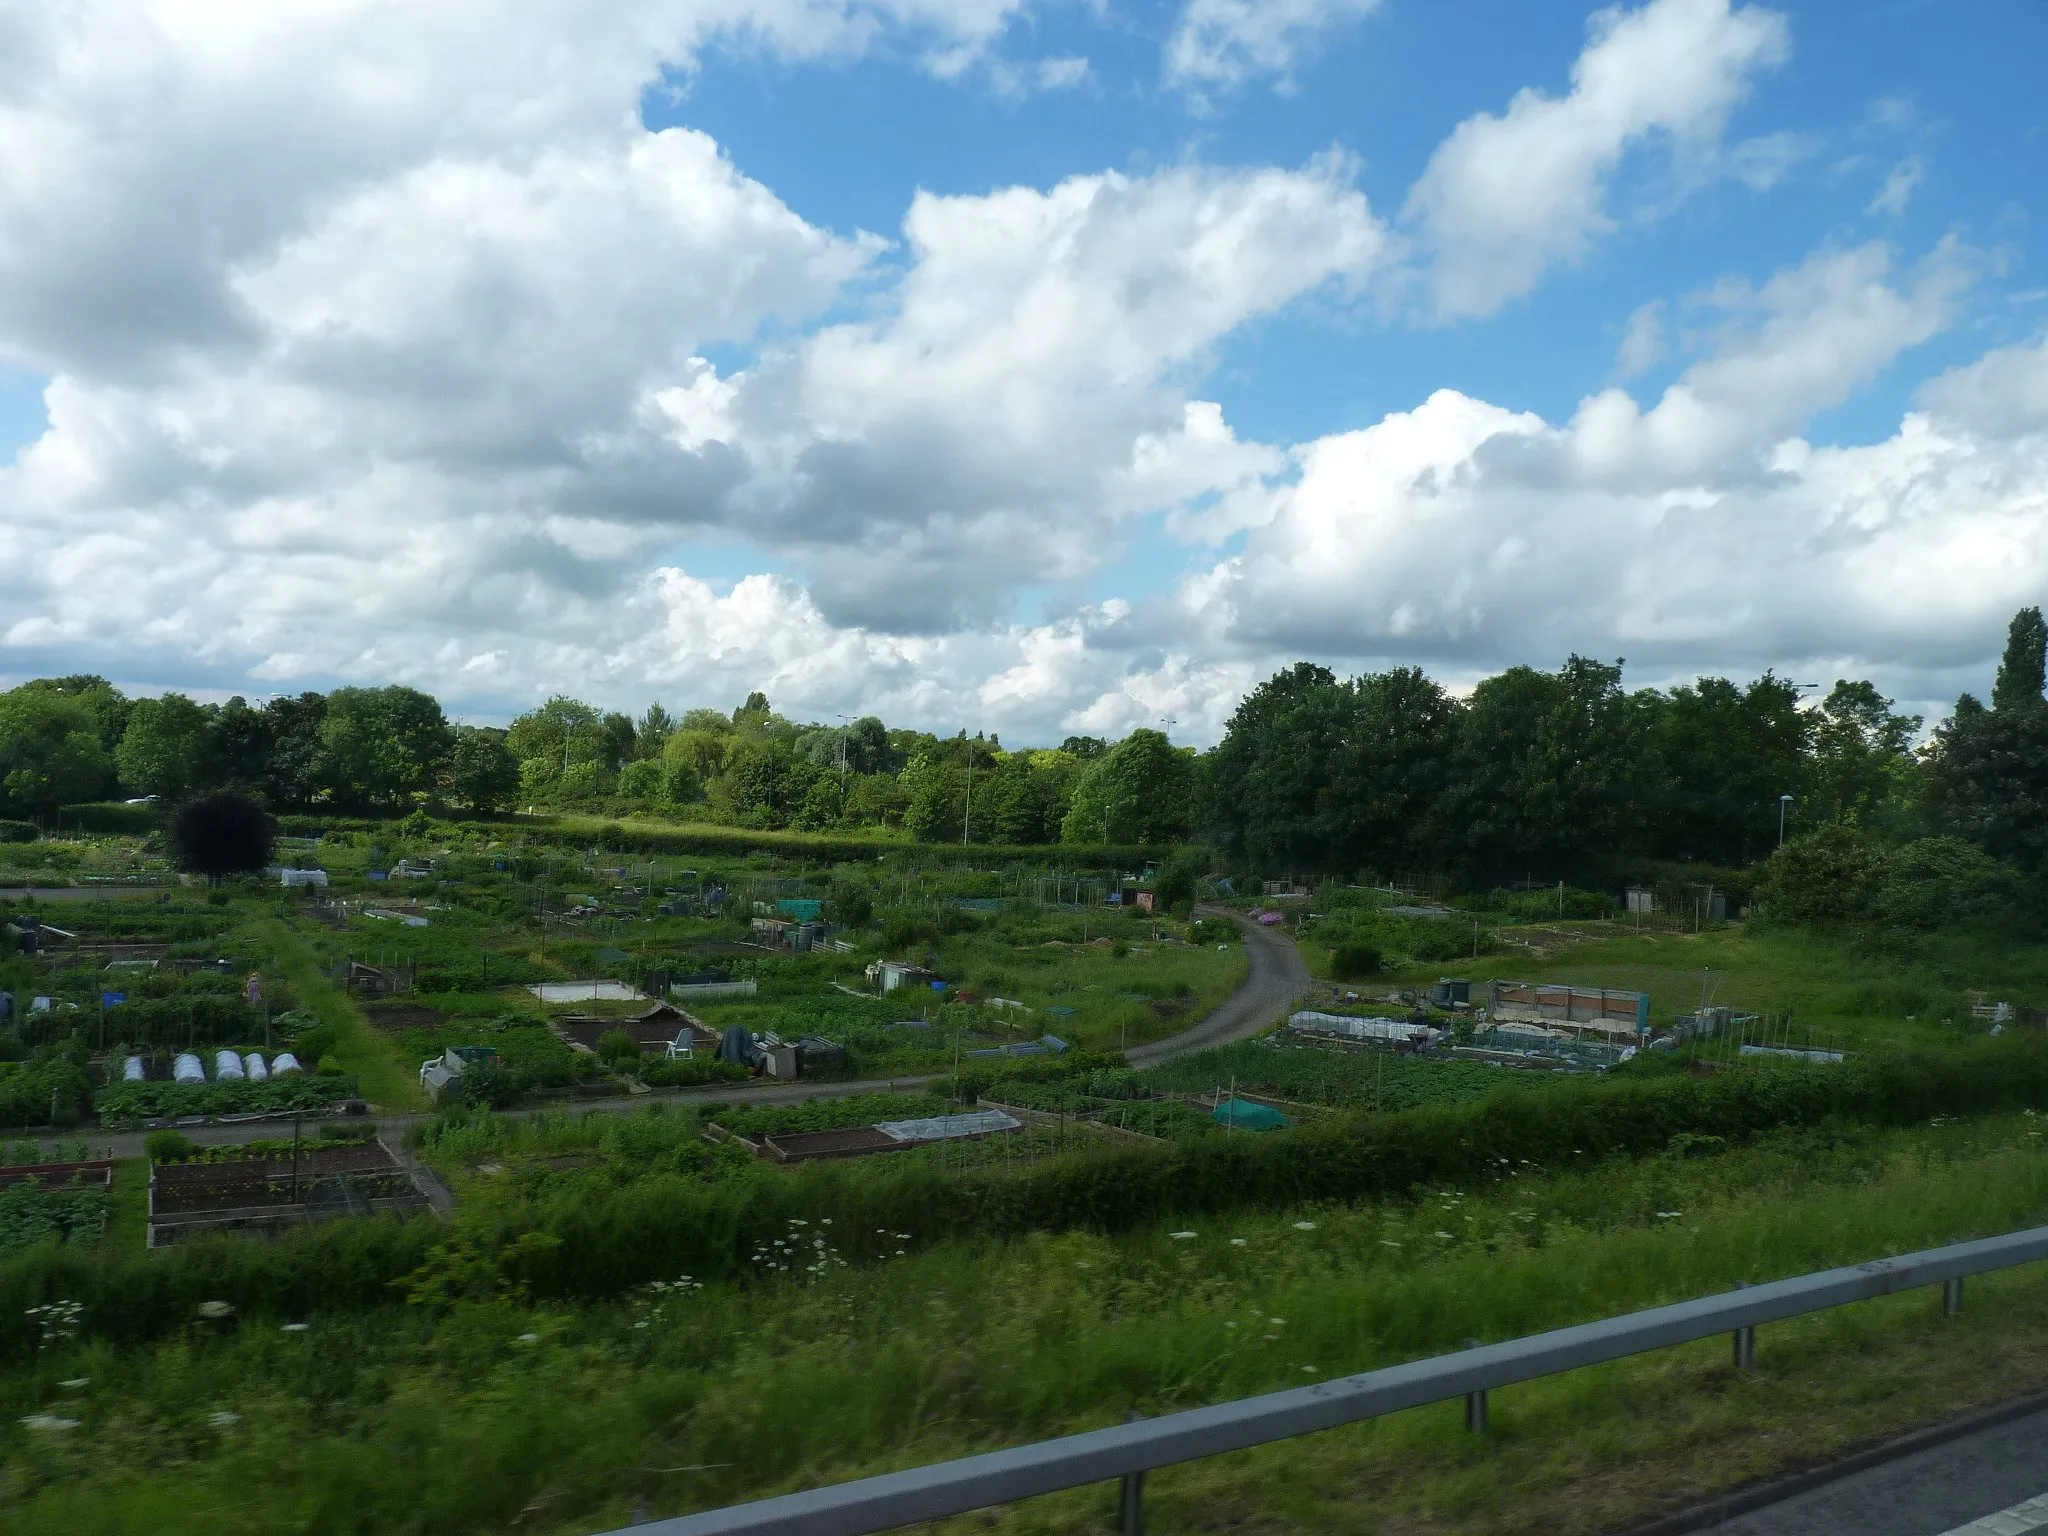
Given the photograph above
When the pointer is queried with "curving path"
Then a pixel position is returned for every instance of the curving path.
(1277, 977)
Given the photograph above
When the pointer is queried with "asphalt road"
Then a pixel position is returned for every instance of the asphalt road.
(1278, 975)
(1944, 1489)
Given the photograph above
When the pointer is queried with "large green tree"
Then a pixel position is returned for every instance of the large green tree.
(50, 751)
(168, 748)
(293, 722)
(1141, 790)
(1722, 756)
(1265, 779)
(381, 746)
(1388, 762)
(482, 772)
(2023, 669)
(1987, 769)
(1863, 773)
(1549, 768)
(565, 751)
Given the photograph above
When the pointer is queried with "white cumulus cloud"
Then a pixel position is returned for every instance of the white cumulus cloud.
(1505, 198)
(1227, 42)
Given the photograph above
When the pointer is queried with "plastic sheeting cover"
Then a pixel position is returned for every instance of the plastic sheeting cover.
(131, 1070)
(186, 1069)
(253, 1065)
(227, 1067)
(1398, 1030)
(284, 1062)
(981, 1122)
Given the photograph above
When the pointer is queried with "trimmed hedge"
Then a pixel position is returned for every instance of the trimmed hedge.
(111, 816)
(665, 1224)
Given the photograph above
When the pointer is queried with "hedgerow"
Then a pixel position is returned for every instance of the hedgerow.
(581, 1238)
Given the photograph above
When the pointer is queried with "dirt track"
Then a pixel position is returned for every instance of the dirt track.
(1278, 976)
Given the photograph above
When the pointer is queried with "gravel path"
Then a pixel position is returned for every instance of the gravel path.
(1278, 976)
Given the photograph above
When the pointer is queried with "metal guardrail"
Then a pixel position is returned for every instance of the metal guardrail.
(1128, 1451)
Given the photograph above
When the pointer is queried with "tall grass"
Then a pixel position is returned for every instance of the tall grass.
(499, 1413)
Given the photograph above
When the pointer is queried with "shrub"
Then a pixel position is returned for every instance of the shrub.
(852, 904)
(50, 1088)
(18, 832)
(222, 834)
(617, 1045)
(169, 1146)
(1839, 874)
(1354, 961)
(690, 1071)
(491, 1084)
(315, 1044)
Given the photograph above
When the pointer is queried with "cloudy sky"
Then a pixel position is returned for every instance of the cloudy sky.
(1024, 365)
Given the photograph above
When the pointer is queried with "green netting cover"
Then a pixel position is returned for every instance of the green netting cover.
(1243, 1115)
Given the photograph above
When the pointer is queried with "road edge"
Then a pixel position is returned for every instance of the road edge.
(1761, 1494)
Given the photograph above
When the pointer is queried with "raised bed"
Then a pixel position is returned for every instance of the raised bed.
(96, 1174)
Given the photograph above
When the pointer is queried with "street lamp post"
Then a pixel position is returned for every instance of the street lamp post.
(1783, 801)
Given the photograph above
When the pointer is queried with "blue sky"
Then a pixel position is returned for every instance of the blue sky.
(629, 376)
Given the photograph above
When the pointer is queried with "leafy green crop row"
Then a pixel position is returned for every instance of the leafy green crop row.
(31, 1213)
(153, 1100)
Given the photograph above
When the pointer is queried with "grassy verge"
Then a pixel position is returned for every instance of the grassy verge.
(488, 1412)
(365, 1054)
(128, 1208)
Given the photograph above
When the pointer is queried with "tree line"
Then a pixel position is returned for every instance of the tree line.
(1547, 773)
(1558, 772)
(74, 740)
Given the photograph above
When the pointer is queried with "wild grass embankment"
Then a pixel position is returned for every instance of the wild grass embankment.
(491, 1410)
